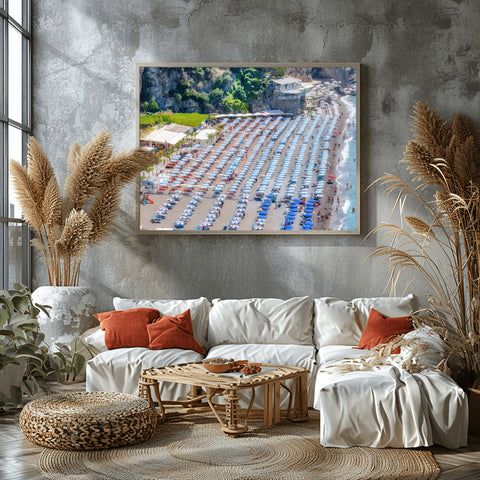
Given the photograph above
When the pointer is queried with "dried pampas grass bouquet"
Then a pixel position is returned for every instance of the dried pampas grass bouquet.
(443, 247)
(66, 225)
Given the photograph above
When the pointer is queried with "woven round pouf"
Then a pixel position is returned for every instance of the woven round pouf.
(88, 420)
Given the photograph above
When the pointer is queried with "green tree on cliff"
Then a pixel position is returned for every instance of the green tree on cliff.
(232, 104)
(150, 106)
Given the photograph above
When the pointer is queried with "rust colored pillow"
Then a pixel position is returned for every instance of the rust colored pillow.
(381, 329)
(127, 328)
(173, 332)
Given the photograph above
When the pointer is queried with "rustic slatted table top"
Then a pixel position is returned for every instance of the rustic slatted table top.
(196, 374)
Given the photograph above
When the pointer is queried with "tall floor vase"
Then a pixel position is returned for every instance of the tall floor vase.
(71, 313)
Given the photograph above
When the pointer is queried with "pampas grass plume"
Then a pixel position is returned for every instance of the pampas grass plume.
(66, 226)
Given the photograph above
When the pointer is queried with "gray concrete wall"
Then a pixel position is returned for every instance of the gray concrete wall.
(84, 59)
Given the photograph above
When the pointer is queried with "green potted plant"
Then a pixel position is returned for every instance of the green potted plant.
(24, 356)
(20, 340)
(66, 364)
(441, 244)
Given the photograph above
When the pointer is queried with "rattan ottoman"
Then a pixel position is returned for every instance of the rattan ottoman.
(88, 420)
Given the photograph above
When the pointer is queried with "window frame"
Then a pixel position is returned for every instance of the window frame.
(25, 126)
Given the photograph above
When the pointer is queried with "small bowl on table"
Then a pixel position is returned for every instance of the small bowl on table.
(217, 367)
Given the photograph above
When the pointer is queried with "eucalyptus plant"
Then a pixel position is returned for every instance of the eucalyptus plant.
(22, 344)
(20, 336)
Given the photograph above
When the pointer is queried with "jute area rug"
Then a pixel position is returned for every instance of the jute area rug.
(193, 447)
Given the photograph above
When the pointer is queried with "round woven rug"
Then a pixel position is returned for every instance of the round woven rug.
(194, 448)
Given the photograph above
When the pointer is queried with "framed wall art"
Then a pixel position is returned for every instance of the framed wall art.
(249, 149)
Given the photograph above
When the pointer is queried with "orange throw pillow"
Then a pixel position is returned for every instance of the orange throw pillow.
(127, 328)
(381, 329)
(173, 332)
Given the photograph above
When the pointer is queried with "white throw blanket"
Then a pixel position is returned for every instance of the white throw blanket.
(386, 405)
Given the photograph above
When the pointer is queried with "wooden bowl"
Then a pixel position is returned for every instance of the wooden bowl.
(217, 367)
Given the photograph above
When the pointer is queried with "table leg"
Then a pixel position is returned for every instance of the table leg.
(145, 391)
(300, 400)
(304, 396)
(267, 404)
(161, 415)
(276, 402)
(193, 395)
(231, 411)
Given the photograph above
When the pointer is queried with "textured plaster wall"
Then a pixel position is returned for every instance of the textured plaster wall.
(84, 59)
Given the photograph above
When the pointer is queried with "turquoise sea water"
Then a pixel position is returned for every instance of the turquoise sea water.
(347, 171)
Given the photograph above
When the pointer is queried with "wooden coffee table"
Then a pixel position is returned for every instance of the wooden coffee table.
(206, 385)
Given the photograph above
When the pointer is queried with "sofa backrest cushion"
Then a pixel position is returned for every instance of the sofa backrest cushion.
(199, 310)
(425, 336)
(95, 337)
(261, 320)
(339, 322)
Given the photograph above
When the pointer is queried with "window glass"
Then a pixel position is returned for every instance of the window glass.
(2, 67)
(15, 103)
(14, 74)
(15, 10)
(15, 253)
(15, 148)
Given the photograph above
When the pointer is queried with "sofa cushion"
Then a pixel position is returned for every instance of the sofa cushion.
(339, 322)
(120, 370)
(95, 337)
(435, 347)
(126, 328)
(386, 406)
(334, 354)
(199, 310)
(291, 355)
(173, 332)
(389, 407)
(381, 329)
(387, 306)
(261, 320)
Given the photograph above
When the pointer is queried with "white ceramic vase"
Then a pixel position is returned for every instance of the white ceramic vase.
(71, 313)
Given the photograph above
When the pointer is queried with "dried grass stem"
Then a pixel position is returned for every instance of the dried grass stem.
(66, 226)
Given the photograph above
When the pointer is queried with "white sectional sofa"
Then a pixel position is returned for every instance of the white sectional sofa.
(382, 407)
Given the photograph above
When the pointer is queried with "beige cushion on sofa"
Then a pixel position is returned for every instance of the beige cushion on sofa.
(339, 322)
(387, 306)
(261, 320)
(199, 309)
(95, 337)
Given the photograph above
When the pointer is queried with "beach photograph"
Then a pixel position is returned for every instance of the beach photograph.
(249, 149)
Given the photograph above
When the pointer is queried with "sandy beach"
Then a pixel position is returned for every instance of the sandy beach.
(291, 157)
